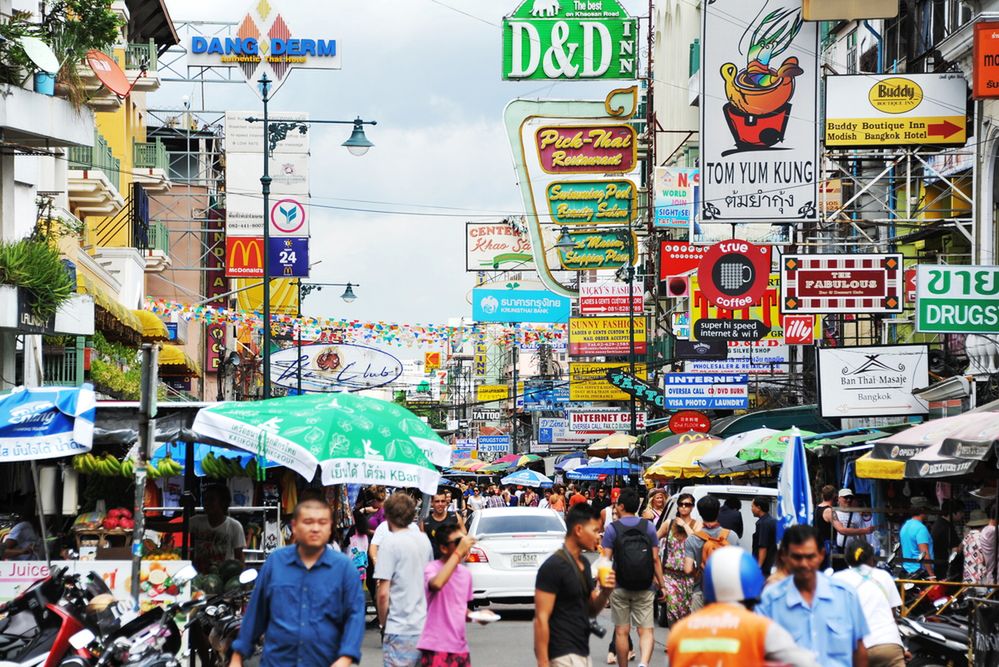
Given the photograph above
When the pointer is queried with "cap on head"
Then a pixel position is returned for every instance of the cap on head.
(732, 575)
(845, 493)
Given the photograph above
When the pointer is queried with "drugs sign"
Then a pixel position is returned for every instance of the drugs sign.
(957, 299)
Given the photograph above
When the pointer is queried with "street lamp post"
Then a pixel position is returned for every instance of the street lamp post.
(304, 290)
(358, 144)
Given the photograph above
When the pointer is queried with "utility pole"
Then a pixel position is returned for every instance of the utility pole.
(513, 435)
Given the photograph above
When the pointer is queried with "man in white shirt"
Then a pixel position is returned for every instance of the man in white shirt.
(879, 598)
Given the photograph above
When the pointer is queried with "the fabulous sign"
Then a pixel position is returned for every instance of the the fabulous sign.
(570, 39)
(264, 43)
(872, 381)
(491, 246)
(957, 299)
(592, 202)
(595, 249)
(333, 368)
(841, 283)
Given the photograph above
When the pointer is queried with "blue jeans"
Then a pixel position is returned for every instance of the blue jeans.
(400, 651)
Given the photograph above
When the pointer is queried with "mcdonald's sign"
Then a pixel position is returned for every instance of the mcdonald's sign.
(244, 257)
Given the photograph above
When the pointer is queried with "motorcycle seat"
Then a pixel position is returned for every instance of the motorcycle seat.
(948, 630)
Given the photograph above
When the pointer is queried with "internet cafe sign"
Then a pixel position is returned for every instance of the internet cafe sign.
(578, 40)
(264, 43)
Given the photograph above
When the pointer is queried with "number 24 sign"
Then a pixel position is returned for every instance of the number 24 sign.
(289, 257)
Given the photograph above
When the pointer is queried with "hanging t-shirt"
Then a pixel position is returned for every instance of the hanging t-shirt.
(357, 551)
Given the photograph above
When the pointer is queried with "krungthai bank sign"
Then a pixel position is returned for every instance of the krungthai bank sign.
(263, 43)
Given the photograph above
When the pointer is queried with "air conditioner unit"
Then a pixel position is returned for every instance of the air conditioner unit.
(677, 286)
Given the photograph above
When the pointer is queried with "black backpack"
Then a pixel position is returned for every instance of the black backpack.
(633, 566)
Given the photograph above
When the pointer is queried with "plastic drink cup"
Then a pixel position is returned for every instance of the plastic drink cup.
(603, 572)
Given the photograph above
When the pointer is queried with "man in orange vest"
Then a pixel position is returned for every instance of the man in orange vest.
(726, 632)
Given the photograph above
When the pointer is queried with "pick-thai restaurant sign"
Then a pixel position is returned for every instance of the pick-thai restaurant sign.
(957, 299)
(491, 246)
(605, 336)
(593, 202)
(759, 83)
(570, 39)
(872, 381)
(894, 109)
(594, 249)
(841, 283)
(604, 419)
(676, 194)
(588, 381)
(333, 368)
(587, 149)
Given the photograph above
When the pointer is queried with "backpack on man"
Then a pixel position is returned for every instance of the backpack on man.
(634, 567)
(711, 543)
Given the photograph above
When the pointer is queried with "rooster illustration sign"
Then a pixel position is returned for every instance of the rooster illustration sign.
(759, 81)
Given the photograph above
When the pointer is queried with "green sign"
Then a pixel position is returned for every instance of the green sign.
(570, 39)
(592, 202)
(957, 299)
(598, 250)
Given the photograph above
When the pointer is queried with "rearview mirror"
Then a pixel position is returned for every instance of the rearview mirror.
(82, 639)
(247, 576)
(184, 575)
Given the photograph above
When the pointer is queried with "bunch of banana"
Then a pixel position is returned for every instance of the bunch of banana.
(108, 466)
(85, 463)
(167, 467)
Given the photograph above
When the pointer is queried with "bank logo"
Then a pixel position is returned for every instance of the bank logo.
(489, 305)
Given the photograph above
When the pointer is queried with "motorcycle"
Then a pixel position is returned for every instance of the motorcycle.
(934, 641)
(221, 620)
(37, 625)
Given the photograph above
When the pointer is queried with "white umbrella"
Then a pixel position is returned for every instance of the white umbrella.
(724, 457)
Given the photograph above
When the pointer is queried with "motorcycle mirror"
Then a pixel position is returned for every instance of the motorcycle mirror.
(247, 576)
(941, 602)
(82, 639)
(184, 575)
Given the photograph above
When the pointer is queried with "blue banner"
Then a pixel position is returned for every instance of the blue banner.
(706, 391)
(288, 257)
(46, 422)
(494, 444)
(497, 305)
(541, 397)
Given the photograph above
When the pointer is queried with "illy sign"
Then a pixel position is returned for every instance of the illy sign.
(799, 329)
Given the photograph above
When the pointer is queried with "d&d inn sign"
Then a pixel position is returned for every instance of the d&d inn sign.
(569, 39)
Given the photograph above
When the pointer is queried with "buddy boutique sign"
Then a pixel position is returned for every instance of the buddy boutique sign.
(570, 39)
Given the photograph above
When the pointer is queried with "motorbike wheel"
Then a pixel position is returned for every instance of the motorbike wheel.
(924, 660)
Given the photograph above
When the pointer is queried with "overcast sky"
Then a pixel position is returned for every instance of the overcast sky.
(429, 72)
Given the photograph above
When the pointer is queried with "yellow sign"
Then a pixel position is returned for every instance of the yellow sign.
(767, 311)
(600, 336)
(486, 393)
(588, 382)
(895, 95)
(431, 361)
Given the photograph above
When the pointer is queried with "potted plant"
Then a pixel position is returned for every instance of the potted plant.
(72, 28)
(15, 67)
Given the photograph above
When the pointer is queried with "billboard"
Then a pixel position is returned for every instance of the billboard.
(545, 395)
(957, 299)
(488, 393)
(610, 336)
(588, 381)
(595, 249)
(706, 391)
(985, 69)
(592, 202)
(605, 419)
(491, 246)
(841, 283)
(244, 256)
(896, 109)
(759, 85)
(216, 285)
(767, 311)
(503, 305)
(677, 190)
(872, 381)
(333, 368)
(762, 357)
(493, 444)
(587, 149)
(609, 299)
(582, 41)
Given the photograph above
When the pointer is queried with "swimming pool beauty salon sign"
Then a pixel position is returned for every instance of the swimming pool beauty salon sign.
(264, 43)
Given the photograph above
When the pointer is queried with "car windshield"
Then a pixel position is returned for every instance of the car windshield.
(524, 523)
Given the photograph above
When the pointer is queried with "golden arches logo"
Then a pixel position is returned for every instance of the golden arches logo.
(248, 249)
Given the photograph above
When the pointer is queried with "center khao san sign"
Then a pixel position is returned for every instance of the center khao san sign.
(592, 202)
(580, 40)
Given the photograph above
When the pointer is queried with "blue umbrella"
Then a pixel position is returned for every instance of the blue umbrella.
(794, 493)
(527, 477)
(177, 451)
(571, 456)
(610, 467)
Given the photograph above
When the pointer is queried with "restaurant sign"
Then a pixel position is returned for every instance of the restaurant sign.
(957, 299)
(592, 202)
(594, 249)
(605, 336)
(841, 283)
(587, 149)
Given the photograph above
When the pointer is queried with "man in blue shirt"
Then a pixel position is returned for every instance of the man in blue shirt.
(917, 545)
(307, 601)
(822, 614)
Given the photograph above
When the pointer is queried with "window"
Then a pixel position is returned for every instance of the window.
(851, 52)
(519, 523)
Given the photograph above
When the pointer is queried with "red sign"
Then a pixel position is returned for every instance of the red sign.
(216, 285)
(608, 299)
(677, 257)
(587, 149)
(841, 283)
(734, 274)
(689, 420)
(244, 256)
(799, 329)
(910, 285)
(985, 79)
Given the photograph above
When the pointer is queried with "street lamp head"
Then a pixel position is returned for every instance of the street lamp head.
(264, 86)
(358, 144)
(348, 294)
(565, 241)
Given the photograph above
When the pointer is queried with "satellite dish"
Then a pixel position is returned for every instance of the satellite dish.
(108, 72)
(39, 53)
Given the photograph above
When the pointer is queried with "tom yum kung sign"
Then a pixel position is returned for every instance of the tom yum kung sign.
(841, 284)
(587, 149)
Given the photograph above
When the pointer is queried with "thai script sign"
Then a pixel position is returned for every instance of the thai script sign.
(487, 393)
(595, 249)
(600, 336)
(592, 202)
(706, 391)
(957, 299)
(331, 368)
(604, 419)
(494, 305)
(844, 283)
(587, 149)
(759, 83)
(677, 190)
(872, 381)
(495, 246)
(588, 382)
(986, 60)
(570, 39)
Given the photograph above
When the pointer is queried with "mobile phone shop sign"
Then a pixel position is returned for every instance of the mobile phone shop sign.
(957, 299)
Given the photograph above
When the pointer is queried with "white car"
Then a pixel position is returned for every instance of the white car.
(513, 542)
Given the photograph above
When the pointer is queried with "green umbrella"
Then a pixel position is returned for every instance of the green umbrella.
(352, 439)
(771, 449)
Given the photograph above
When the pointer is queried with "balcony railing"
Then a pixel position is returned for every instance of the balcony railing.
(61, 366)
(139, 54)
(150, 155)
(97, 157)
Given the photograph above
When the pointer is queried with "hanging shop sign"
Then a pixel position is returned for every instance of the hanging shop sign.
(841, 283)
(485, 415)
(288, 257)
(799, 329)
(633, 386)
(730, 330)
(734, 274)
(587, 149)
(986, 60)
(216, 285)
(605, 336)
(290, 217)
(894, 110)
(676, 257)
(605, 419)
(480, 359)
(488, 393)
(497, 246)
(592, 202)
(706, 391)
(264, 44)
(588, 381)
(760, 233)
(677, 191)
(244, 257)
(503, 305)
(759, 83)
(872, 381)
(332, 368)
(553, 431)
(609, 299)
(578, 41)
(545, 395)
(594, 250)
(957, 299)
(493, 444)
(431, 361)
(700, 350)
(689, 420)
(760, 358)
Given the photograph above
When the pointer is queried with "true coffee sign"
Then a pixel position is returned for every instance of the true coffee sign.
(734, 274)
(581, 40)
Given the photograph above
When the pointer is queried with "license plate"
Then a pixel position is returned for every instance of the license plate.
(524, 560)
